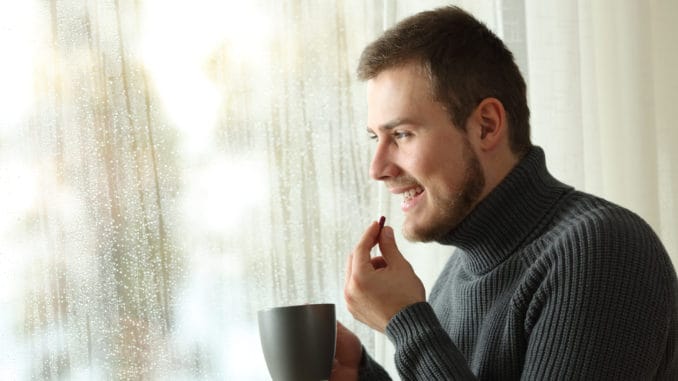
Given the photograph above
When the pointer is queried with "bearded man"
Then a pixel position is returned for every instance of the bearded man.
(546, 283)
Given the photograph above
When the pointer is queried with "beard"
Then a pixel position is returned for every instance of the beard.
(451, 209)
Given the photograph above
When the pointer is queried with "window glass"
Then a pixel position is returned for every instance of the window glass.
(168, 169)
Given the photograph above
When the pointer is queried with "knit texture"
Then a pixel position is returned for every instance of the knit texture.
(547, 283)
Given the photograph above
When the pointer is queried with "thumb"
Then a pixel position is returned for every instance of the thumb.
(387, 245)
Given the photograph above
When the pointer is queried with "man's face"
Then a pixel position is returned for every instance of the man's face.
(420, 154)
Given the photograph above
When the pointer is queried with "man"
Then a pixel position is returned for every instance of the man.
(547, 282)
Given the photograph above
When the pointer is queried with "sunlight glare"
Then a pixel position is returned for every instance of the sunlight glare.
(19, 194)
(18, 42)
(179, 38)
(220, 195)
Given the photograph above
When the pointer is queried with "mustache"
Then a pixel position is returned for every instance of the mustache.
(401, 181)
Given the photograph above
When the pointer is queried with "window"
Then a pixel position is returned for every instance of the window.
(168, 169)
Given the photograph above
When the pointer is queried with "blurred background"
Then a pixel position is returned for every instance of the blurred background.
(168, 168)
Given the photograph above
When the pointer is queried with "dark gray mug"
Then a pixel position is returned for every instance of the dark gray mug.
(298, 341)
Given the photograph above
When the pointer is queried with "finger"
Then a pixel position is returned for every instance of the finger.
(349, 270)
(387, 245)
(361, 254)
(342, 331)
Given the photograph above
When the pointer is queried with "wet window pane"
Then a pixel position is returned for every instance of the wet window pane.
(169, 168)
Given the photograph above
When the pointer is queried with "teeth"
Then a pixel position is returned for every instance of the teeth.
(412, 192)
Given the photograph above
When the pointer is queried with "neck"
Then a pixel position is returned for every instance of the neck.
(510, 212)
(496, 166)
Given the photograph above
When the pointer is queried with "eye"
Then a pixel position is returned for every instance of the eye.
(399, 135)
(373, 136)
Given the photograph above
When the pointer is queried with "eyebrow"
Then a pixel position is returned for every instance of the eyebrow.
(392, 124)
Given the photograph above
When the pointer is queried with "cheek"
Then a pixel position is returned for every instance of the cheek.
(422, 168)
(440, 163)
(424, 158)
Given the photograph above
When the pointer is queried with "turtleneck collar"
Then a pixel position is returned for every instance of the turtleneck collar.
(501, 222)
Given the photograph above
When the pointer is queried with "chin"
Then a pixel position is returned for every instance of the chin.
(426, 232)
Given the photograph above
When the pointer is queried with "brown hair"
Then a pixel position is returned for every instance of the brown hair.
(465, 61)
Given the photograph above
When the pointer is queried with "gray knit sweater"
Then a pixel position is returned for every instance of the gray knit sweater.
(547, 283)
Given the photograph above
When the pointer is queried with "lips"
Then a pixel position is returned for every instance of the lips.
(411, 197)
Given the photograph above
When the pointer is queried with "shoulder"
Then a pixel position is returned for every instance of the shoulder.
(583, 223)
(589, 239)
(599, 226)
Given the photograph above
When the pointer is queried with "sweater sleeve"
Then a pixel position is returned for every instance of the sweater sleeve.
(370, 370)
(605, 308)
(424, 351)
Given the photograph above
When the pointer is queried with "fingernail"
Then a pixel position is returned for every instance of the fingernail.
(387, 232)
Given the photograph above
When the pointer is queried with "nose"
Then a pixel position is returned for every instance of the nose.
(383, 166)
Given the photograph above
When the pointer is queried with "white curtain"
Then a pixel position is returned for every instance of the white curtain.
(170, 167)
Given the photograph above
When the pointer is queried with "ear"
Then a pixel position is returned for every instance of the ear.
(489, 126)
